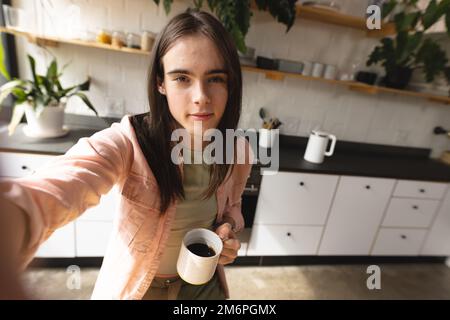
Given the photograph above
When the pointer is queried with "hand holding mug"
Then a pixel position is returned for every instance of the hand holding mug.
(231, 244)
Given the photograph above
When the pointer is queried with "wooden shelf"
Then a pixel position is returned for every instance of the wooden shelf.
(341, 19)
(351, 85)
(54, 42)
(335, 17)
(270, 74)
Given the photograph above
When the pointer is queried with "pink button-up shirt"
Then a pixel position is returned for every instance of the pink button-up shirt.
(61, 191)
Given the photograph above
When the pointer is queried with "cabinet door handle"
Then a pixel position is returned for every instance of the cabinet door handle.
(368, 187)
(415, 207)
(422, 190)
(24, 167)
(302, 183)
(288, 234)
(403, 236)
(252, 188)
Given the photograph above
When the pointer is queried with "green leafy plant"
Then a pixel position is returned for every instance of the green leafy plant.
(41, 92)
(236, 15)
(410, 49)
(3, 69)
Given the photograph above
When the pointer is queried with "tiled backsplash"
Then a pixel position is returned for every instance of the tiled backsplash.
(119, 79)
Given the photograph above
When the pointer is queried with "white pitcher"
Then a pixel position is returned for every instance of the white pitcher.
(317, 145)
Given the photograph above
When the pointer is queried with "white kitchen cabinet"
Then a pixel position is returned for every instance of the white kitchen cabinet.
(271, 240)
(244, 238)
(92, 238)
(295, 198)
(88, 235)
(438, 238)
(15, 164)
(420, 189)
(356, 213)
(408, 212)
(399, 242)
(61, 244)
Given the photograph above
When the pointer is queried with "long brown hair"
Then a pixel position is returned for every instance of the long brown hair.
(154, 129)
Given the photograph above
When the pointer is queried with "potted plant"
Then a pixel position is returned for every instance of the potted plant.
(267, 134)
(411, 49)
(42, 100)
(236, 15)
(3, 69)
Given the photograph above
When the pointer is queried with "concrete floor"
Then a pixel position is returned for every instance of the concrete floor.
(398, 281)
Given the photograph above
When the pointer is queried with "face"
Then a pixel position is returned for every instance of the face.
(195, 83)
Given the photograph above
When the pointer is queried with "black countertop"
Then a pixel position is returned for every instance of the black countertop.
(80, 126)
(350, 158)
(361, 159)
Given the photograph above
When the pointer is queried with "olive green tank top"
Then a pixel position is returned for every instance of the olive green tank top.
(191, 212)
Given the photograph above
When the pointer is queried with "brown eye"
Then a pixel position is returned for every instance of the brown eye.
(217, 79)
(181, 79)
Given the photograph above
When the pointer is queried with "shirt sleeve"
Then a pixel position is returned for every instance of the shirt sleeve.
(59, 192)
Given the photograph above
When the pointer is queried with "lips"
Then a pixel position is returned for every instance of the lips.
(201, 116)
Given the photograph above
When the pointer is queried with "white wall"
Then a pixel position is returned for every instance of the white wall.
(119, 79)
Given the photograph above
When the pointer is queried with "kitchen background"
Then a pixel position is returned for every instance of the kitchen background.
(119, 79)
(333, 218)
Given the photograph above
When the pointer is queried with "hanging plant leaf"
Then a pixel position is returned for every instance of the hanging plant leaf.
(283, 10)
(243, 15)
(434, 12)
(167, 5)
(236, 15)
(388, 7)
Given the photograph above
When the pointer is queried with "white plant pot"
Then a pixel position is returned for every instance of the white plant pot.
(49, 124)
(267, 138)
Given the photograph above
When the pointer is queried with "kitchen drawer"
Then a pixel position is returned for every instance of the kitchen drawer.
(399, 242)
(14, 164)
(407, 212)
(61, 243)
(92, 238)
(355, 216)
(438, 239)
(295, 198)
(419, 189)
(269, 240)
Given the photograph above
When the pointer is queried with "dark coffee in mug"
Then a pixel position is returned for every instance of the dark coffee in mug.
(201, 249)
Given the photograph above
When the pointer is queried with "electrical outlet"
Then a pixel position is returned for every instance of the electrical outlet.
(115, 107)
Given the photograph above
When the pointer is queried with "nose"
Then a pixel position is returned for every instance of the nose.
(201, 94)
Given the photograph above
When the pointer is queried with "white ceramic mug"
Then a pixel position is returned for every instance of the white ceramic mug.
(330, 72)
(307, 68)
(317, 145)
(317, 70)
(193, 268)
(267, 137)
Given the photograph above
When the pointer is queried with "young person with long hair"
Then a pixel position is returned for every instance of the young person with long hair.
(194, 78)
